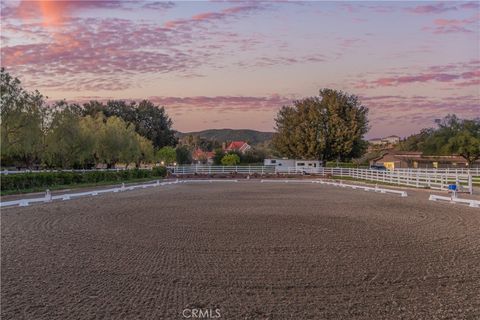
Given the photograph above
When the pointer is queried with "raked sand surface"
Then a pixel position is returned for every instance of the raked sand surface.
(251, 250)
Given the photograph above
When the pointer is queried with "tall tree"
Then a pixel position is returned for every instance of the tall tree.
(153, 123)
(68, 143)
(167, 155)
(116, 142)
(149, 120)
(330, 126)
(218, 155)
(145, 150)
(183, 154)
(455, 136)
(23, 122)
(415, 142)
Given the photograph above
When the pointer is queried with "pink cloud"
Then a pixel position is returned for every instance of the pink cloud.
(471, 5)
(404, 115)
(462, 74)
(211, 16)
(445, 26)
(441, 7)
(432, 8)
(282, 60)
(54, 12)
(93, 49)
(357, 7)
(224, 103)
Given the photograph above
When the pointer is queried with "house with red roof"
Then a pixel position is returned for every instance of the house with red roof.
(240, 146)
(200, 156)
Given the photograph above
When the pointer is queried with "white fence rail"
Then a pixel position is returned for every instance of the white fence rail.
(420, 178)
(68, 196)
(5, 172)
(438, 179)
(201, 169)
(340, 184)
(48, 197)
(471, 203)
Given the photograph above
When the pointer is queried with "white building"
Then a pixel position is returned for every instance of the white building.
(392, 139)
(293, 164)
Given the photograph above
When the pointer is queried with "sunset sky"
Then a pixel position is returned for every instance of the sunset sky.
(223, 64)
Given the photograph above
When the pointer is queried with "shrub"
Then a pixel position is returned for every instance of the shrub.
(32, 180)
(159, 171)
(230, 159)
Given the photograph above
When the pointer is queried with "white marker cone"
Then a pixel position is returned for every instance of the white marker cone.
(48, 196)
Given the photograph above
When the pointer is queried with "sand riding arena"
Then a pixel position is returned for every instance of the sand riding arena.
(244, 250)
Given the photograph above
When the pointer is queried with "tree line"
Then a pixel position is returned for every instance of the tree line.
(451, 136)
(69, 135)
(66, 135)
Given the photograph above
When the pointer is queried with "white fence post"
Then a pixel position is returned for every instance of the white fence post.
(470, 184)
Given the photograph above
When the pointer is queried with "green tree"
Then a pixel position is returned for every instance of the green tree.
(145, 150)
(253, 156)
(167, 155)
(68, 143)
(230, 159)
(328, 127)
(23, 122)
(415, 142)
(153, 123)
(217, 158)
(452, 136)
(183, 155)
(467, 144)
(149, 120)
(116, 142)
(455, 136)
(92, 128)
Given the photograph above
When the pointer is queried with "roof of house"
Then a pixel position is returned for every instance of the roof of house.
(198, 153)
(236, 145)
(419, 156)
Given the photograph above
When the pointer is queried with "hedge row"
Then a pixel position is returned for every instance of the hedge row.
(23, 181)
(335, 164)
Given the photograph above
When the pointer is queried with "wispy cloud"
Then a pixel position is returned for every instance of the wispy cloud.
(93, 46)
(269, 61)
(439, 7)
(224, 103)
(456, 74)
(215, 15)
(443, 26)
(405, 115)
(94, 49)
(53, 13)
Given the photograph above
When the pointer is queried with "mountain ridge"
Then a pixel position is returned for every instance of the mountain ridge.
(249, 135)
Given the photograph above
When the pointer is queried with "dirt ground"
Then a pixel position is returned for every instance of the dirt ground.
(251, 250)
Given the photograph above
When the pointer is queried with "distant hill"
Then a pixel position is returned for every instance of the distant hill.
(253, 137)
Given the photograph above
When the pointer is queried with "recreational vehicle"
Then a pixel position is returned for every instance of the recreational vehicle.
(293, 165)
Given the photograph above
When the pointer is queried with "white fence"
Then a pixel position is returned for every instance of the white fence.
(420, 178)
(66, 170)
(202, 169)
(340, 184)
(471, 203)
(48, 197)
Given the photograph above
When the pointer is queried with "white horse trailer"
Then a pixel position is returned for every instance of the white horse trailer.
(293, 165)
